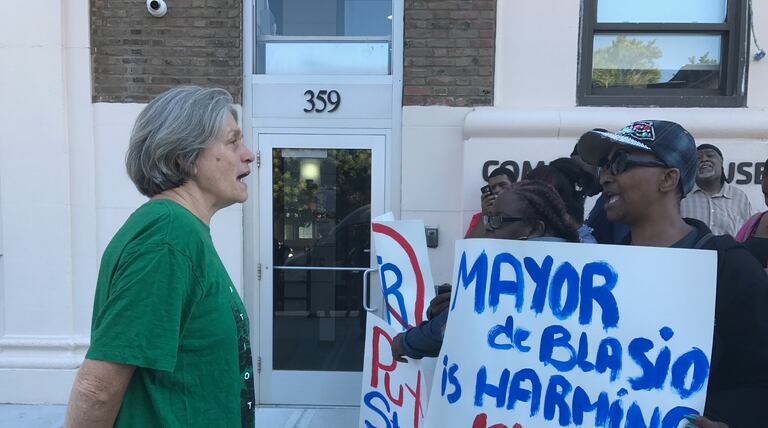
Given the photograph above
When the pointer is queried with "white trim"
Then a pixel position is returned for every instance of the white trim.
(322, 79)
(393, 169)
(390, 127)
(42, 352)
(335, 39)
(309, 383)
(492, 122)
(297, 123)
(251, 286)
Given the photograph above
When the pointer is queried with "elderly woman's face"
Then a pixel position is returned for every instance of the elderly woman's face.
(222, 167)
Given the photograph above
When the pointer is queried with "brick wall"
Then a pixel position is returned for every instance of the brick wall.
(135, 56)
(449, 52)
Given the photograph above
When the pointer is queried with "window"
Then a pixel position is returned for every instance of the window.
(681, 53)
(323, 37)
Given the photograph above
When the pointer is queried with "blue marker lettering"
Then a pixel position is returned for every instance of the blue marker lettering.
(583, 354)
(554, 398)
(564, 275)
(540, 276)
(393, 289)
(552, 337)
(478, 273)
(635, 417)
(698, 360)
(616, 412)
(500, 286)
(673, 417)
(368, 401)
(609, 357)
(517, 337)
(517, 393)
(482, 388)
(602, 294)
(582, 404)
(637, 350)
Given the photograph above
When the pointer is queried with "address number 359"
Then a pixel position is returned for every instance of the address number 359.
(322, 101)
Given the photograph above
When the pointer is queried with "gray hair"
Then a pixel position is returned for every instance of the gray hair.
(169, 134)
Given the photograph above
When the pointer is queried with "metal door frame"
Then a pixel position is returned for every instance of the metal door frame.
(280, 387)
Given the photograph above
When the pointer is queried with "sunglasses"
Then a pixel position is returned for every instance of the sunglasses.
(623, 161)
(497, 221)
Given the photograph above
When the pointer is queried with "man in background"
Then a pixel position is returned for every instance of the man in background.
(714, 201)
(498, 180)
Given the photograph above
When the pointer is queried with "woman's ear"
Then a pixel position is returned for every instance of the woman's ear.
(669, 181)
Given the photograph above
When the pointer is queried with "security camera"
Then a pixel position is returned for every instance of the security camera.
(157, 8)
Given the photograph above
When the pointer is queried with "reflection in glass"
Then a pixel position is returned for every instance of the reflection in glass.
(325, 31)
(321, 203)
(319, 323)
(656, 61)
(358, 58)
(662, 11)
(322, 225)
(325, 17)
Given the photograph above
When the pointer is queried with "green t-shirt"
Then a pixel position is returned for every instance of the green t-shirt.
(165, 304)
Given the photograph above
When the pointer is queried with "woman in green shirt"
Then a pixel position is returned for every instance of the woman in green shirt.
(169, 335)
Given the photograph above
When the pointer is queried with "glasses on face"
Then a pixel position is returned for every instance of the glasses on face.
(623, 161)
(497, 221)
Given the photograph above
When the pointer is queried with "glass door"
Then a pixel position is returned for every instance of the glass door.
(315, 247)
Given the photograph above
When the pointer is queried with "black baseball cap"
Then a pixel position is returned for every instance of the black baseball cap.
(669, 141)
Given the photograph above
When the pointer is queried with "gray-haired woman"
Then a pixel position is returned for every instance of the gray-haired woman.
(169, 336)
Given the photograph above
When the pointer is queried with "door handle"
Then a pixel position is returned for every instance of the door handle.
(366, 286)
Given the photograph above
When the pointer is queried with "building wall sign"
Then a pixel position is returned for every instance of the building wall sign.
(318, 100)
(744, 163)
(322, 101)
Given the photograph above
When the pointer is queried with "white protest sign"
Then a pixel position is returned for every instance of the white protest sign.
(394, 394)
(406, 278)
(546, 334)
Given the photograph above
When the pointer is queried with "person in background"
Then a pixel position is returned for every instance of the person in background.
(604, 231)
(498, 180)
(754, 233)
(169, 334)
(572, 183)
(527, 210)
(646, 168)
(714, 201)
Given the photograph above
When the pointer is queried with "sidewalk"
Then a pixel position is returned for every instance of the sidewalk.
(52, 416)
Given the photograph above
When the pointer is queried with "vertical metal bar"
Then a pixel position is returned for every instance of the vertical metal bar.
(366, 292)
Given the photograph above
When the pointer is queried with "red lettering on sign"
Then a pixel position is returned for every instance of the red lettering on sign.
(376, 363)
(481, 421)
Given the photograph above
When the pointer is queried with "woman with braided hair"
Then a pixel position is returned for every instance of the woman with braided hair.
(530, 210)
(573, 183)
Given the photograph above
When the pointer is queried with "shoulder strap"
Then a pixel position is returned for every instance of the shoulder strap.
(720, 243)
(703, 241)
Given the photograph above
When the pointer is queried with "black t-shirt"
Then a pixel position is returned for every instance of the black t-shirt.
(759, 248)
(687, 241)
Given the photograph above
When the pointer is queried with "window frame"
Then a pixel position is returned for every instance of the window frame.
(258, 67)
(734, 48)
